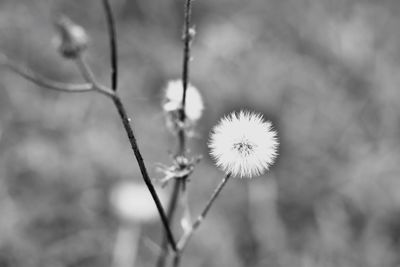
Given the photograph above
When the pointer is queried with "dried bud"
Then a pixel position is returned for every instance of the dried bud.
(72, 39)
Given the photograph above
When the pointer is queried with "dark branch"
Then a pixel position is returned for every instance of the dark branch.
(187, 39)
(88, 74)
(129, 131)
(172, 204)
(179, 184)
(113, 44)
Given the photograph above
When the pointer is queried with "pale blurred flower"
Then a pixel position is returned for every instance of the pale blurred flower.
(173, 100)
(133, 203)
(243, 144)
(72, 39)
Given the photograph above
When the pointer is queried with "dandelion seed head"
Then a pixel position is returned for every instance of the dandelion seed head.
(173, 100)
(243, 144)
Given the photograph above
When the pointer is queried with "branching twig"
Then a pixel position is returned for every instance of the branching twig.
(126, 121)
(93, 85)
(113, 44)
(90, 78)
(87, 73)
(44, 82)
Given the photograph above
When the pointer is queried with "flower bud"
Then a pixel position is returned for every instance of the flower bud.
(72, 39)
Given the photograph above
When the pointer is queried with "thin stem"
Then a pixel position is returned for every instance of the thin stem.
(187, 39)
(186, 219)
(89, 77)
(186, 237)
(94, 85)
(183, 241)
(44, 82)
(132, 139)
(126, 120)
(179, 184)
(181, 136)
(113, 44)
(177, 259)
(170, 215)
(86, 70)
(88, 74)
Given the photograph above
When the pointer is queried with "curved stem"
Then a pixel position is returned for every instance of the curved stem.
(113, 44)
(44, 82)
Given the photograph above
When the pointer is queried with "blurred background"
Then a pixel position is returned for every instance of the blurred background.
(325, 72)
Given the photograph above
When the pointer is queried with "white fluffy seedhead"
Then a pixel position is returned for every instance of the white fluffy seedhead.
(243, 144)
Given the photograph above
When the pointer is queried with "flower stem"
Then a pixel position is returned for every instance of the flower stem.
(214, 196)
(186, 237)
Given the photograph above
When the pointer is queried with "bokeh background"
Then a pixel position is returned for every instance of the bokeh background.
(325, 72)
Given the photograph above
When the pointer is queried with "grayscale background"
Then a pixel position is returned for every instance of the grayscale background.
(326, 73)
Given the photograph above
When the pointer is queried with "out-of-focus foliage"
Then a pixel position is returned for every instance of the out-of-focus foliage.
(326, 72)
